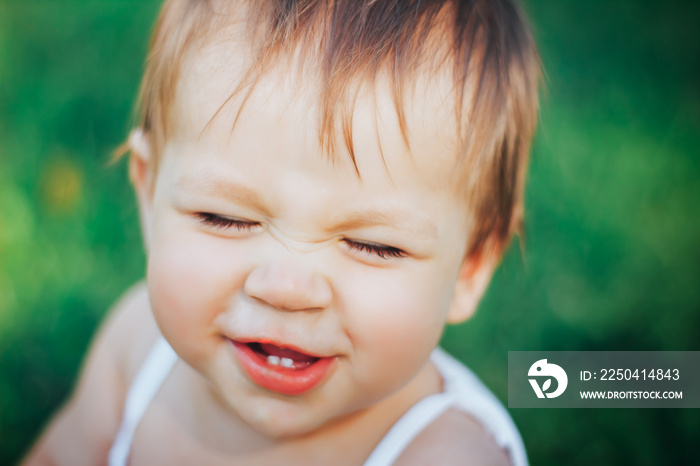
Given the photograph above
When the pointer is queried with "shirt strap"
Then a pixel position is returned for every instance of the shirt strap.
(151, 375)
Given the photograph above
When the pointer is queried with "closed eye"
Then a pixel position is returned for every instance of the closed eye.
(380, 250)
(224, 223)
(221, 222)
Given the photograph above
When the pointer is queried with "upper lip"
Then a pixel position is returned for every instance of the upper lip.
(281, 344)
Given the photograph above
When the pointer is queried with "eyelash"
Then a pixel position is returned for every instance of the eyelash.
(379, 250)
(217, 221)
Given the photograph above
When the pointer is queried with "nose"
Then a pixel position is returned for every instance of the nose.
(289, 284)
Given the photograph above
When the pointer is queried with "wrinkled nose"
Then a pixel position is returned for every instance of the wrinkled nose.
(289, 284)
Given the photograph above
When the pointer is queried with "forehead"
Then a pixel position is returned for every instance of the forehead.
(217, 101)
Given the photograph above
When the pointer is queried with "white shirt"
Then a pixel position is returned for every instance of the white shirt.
(462, 389)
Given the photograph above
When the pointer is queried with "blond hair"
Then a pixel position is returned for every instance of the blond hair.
(494, 67)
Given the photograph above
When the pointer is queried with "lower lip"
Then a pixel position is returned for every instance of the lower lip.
(281, 379)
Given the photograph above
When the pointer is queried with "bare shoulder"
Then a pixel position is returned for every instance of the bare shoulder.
(454, 438)
(82, 431)
(124, 338)
(132, 328)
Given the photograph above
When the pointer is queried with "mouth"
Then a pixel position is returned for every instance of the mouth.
(280, 369)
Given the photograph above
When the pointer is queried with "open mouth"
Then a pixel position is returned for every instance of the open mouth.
(282, 370)
(284, 357)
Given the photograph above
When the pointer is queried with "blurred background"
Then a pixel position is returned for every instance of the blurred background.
(611, 259)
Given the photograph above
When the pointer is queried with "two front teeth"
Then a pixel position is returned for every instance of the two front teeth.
(277, 361)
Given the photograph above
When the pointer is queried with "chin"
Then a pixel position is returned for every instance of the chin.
(276, 418)
(280, 427)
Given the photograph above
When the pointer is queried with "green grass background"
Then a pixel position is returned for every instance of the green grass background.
(611, 258)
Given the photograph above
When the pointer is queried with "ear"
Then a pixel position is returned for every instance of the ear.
(141, 175)
(474, 277)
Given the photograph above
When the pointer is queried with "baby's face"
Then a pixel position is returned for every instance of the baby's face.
(300, 291)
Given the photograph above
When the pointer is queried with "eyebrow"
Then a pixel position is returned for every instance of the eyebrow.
(231, 191)
(393, 218)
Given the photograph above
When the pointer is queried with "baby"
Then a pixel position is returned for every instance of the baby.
(323, 185)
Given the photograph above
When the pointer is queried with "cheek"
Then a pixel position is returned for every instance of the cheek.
(395, 321)
(190, 282)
